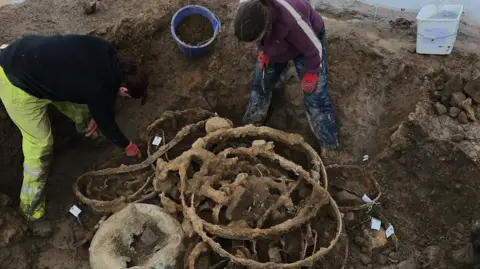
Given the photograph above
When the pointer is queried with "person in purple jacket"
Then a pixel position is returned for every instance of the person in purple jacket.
(288, 30)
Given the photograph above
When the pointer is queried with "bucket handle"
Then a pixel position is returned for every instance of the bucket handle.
(435, 37)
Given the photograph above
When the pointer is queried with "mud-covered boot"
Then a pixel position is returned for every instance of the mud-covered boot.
(41, 227)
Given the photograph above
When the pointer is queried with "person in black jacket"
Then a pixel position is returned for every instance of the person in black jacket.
(81, 75)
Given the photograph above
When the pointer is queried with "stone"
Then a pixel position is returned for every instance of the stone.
(42, 228)
(445, 99)
(217, 123)
(359, 241)
(393, 255)
(408, 264)
(437, 95)
(462, 118)
(274, 255)
(440, 109)
(457, 98)
(458, 138)
(454, 112)
(349, 217)
(473, 89)
(382, 260)
(469, 110)
(90, 7)
(346, 198)
(241, 200)
(375, 239)
(365, 259)
(149, 238)
(454, 84)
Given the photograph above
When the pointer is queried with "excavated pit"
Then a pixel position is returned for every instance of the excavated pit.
(380, 90)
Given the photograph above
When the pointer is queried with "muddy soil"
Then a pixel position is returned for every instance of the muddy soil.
(195, 30)
(375, 82)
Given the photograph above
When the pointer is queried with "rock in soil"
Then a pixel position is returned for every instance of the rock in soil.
(346, 198)
(469, 110)
(458, 138)
(408, 264)
(42, 228)
(462, 118)
(241, 200)
(194, 29)
(473, 89)
(440, 109)
(365, 259)
(437, 95)
(454, 112)
(90, 7)
(374, 240)
(217, 123)
(454, 84)
(457, 98)
(149, 238)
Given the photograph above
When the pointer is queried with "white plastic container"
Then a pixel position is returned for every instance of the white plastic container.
(437, 28)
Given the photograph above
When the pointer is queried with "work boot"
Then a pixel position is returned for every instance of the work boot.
(41, 227)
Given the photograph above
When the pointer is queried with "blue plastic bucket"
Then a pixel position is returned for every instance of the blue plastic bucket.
(183, 13)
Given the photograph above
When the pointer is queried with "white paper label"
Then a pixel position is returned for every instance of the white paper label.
(157, 140)
(390, 231)
(367, 199)
(376, 224)
(74, 210)
(365, 158)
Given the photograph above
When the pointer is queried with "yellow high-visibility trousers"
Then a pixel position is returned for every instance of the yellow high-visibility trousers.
(29, 114)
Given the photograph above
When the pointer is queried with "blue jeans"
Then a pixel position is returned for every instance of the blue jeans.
(318, 107)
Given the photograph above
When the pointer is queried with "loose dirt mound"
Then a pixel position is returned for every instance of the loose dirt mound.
(195, 30)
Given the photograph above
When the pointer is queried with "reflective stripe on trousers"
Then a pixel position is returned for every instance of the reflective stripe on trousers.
(30, 116)
(319, 109)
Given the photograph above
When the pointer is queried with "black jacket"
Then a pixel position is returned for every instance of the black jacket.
(80, 69)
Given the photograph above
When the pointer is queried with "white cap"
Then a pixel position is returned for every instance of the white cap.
(3, 46)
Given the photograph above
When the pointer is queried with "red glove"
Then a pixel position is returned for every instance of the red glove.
(132, 150)
(92, 128)
(309, 81)
(262, 60)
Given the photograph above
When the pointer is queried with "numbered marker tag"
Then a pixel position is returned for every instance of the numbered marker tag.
(390, 231)
(367, 199)
(157, 140)
(74, 210)
(376, 223)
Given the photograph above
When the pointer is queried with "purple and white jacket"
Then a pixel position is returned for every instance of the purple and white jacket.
(295, 27)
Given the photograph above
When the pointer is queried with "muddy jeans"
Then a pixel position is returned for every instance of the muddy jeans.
(318, 107)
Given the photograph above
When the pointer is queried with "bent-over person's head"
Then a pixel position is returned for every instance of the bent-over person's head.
(135, 83)
(251, 20)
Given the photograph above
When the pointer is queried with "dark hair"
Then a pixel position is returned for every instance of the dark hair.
(136, 80)
(251, 20)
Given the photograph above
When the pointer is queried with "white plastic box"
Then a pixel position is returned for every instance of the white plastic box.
(437, 28)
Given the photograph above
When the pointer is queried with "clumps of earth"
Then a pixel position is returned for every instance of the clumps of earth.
(458, 100)
(194, 30)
